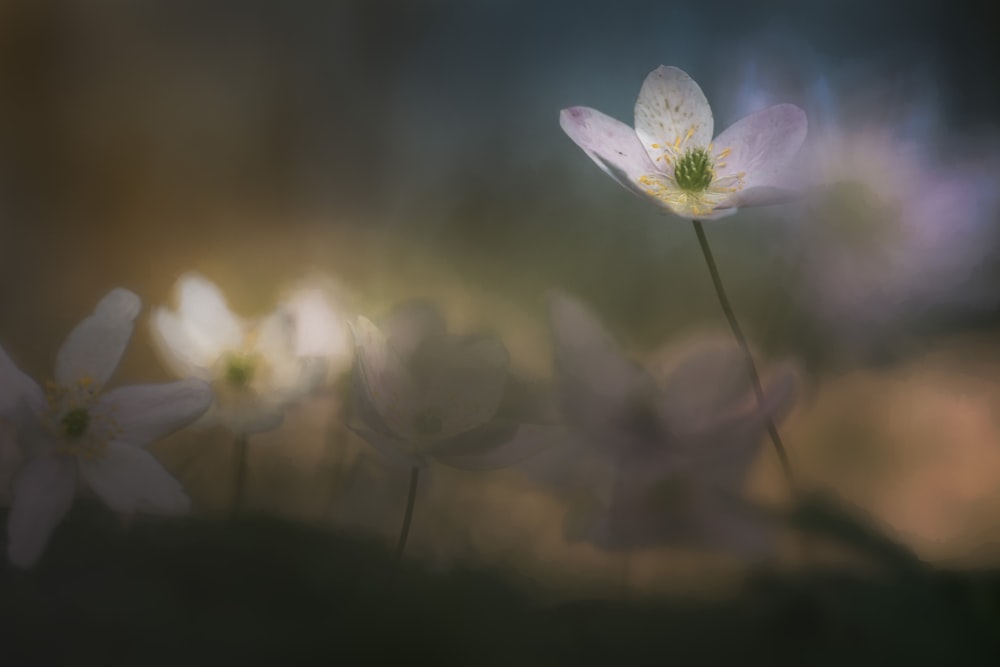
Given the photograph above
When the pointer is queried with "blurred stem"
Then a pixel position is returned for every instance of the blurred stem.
(727, 309)
(408, 517)
(241, 472)
(337, 439)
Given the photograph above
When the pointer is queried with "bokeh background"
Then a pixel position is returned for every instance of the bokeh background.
(412, 148)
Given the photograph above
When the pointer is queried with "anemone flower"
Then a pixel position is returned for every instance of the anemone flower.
(253, 365)
(659, 447)
(425, 395)
(77, 427)
(671, 159)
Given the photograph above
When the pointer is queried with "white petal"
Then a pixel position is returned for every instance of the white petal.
(17, 390)
(762, 145)
(209, 324)
(383, 379)
(130, 480)
(465, 383)
(411, 324)
(393, 449)
(43, 492)
(670, 106)
(593, 380)
(498, 447)
(248, 415)
(610, 143)
(706, 380)
(147, 413)
(283, 379)
(320, 331)
(94, 348)
(185, 355)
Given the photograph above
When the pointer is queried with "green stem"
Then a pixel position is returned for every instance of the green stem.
(408, 516)
(727, 309)
(241, 472)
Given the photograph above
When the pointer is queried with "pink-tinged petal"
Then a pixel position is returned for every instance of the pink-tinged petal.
(43, 491)
(464, 384)
(761, 146)
(129, 479)
(393, 449)
(672, 113)
(501, 446)
(610, 143)
(147, 413)
(594, 382)
(412, 324)
(17, 390)
(94, 348)
(384, 380)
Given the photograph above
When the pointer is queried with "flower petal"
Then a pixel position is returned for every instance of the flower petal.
(43, 491)
(94, 348)
(207, 327)
(147, 413)
(496, 445)
(762, 145)
(130, 479)
(610, 143)
(16, 389)
(670, 106)
(465, 384)
(383, 379)
(285, 379)
(183, 354)
(391, 448)
(593, 380)
(411, 324)
(244, 415)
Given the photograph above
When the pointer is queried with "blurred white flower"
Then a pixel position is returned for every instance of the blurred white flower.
(655, 449)
(670, 156)
(75, 425)
(322, 335)
(424, 394)
(254, 366)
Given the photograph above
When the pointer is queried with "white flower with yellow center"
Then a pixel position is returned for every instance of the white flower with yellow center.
(252, 365)
(75, 425)
(671, 158)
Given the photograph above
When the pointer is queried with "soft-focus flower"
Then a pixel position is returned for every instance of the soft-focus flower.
(900, 210)
(424, 394)
(254, 366)
(322, 336)
(670, 156)
(75, 425)
(655, 448)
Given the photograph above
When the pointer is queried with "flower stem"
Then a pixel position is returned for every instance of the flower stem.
(241, 472)
(408, 516)
(727, 309)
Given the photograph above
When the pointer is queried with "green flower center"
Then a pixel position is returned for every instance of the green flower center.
(693, 171)
(428, 423)
(75, 422)
(240, 370)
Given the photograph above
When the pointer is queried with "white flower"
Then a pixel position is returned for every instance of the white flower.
(656, 449)
(322, 336)
(75, 425)
(253, 365)
(423, 394)
(670, 156)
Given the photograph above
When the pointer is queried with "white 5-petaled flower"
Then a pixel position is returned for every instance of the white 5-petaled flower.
(670, 156)
(254, 366)
(424, 394)
(656, 449)
(75, 425)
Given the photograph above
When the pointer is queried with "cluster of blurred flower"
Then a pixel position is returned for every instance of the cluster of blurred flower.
(652, 454)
